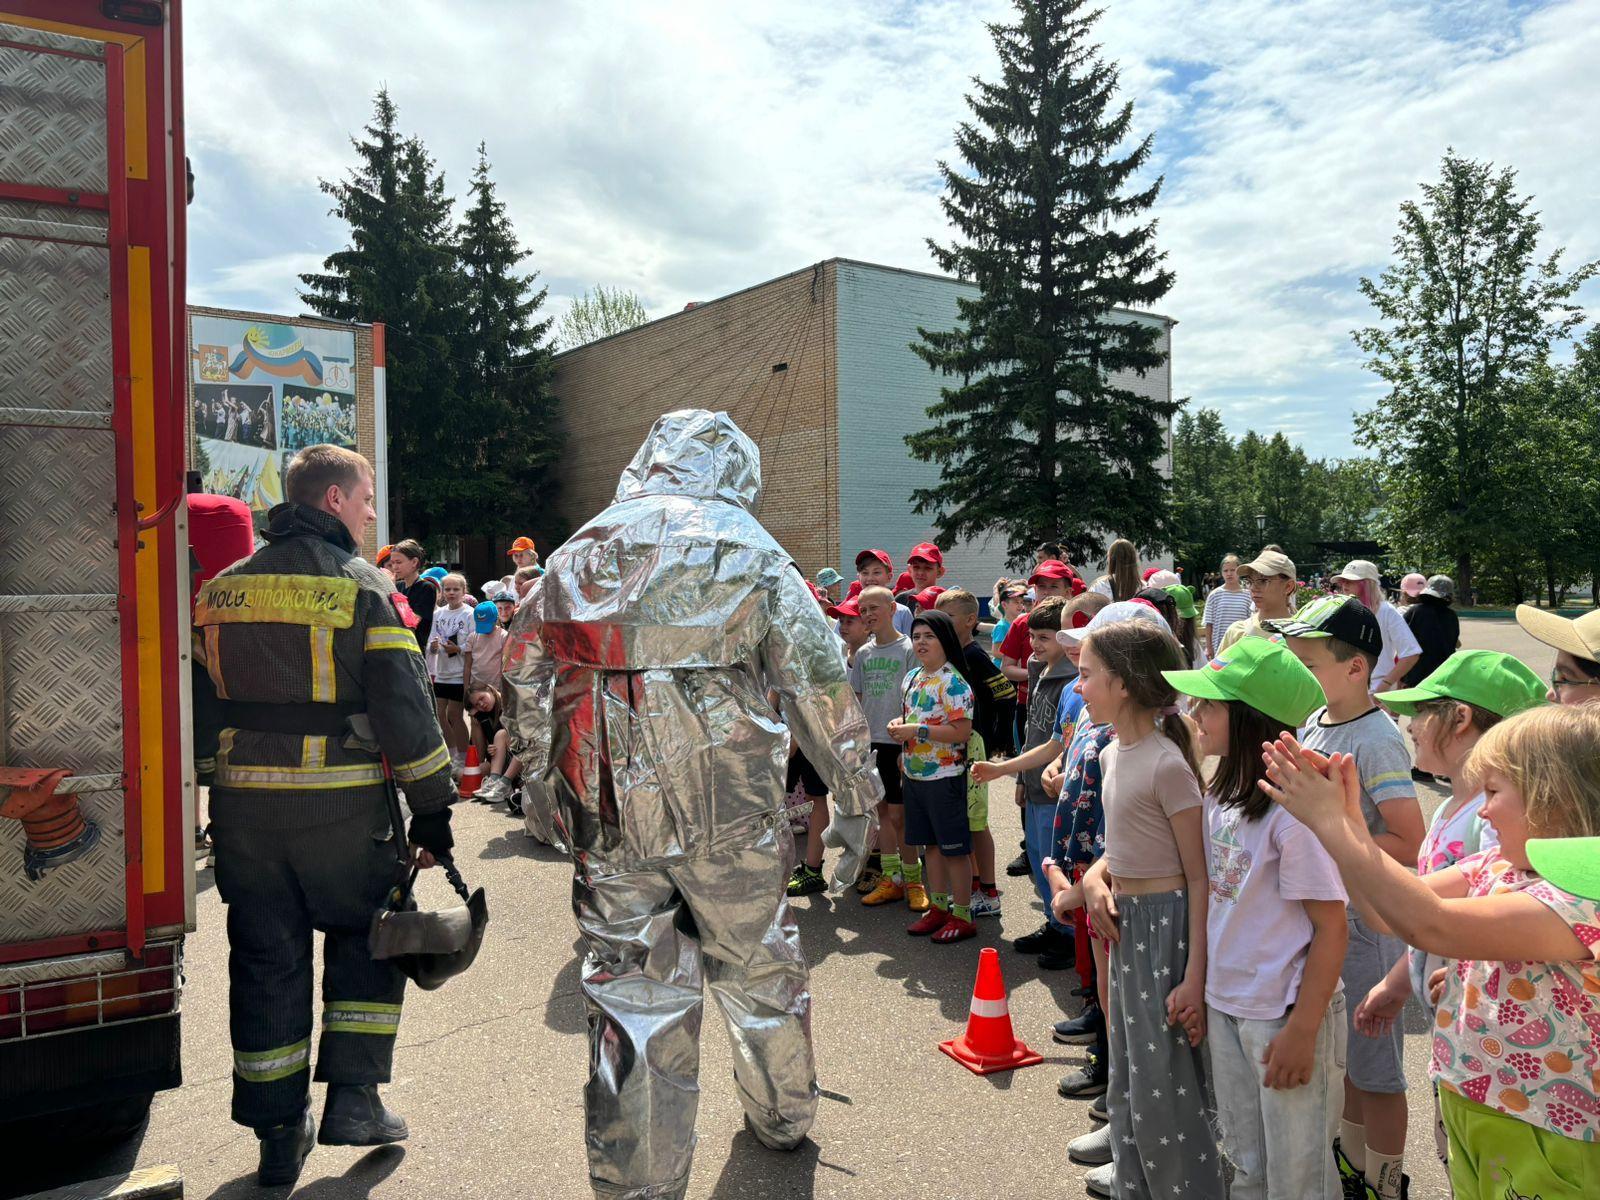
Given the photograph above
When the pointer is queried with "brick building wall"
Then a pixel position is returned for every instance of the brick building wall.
(831, 426)
(366, 438)
(763, 355)
(884, 392)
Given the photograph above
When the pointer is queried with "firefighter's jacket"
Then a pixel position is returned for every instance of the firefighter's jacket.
(303, 632)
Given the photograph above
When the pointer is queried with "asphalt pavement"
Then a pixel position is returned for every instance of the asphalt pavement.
(489, 1069)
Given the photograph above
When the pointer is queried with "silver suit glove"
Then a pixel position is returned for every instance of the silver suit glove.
(850, 833)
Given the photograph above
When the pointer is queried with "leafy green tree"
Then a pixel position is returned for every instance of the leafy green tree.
(1038, 437)
(400, 267)
(600, 313)
(1224, 492)
(1351, 498)
(1467, 311)
(1205, 513)
(505, 369)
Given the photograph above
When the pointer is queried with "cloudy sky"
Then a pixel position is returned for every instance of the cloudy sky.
(689, 149)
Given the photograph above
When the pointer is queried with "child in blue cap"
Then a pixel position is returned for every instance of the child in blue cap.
(485, 647)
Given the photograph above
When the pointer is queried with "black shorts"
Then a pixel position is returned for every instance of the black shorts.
(802, 772)
(936, 814)
(888, 756)
(450, 691)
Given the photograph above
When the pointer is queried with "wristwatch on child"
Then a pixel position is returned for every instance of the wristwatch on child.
(922, 733)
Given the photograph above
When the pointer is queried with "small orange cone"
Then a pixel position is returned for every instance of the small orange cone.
(471, 774)
(988, 1044)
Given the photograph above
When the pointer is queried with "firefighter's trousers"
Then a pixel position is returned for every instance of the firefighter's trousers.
(652, 938)
(279, 886)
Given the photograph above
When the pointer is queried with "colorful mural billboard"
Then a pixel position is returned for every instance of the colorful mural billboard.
(262, 390)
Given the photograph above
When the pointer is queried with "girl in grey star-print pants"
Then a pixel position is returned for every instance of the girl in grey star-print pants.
(1163, 1134)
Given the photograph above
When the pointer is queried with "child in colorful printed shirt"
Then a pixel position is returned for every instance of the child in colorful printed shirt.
(996, 698)
(1470, 693)
(938, 709)
(1514, 1038)
(1275, 936)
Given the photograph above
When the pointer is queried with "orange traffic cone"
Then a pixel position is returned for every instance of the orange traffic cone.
(988, 1044)
(471, 774)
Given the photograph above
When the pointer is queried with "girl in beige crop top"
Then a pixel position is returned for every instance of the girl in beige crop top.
(1154, 811)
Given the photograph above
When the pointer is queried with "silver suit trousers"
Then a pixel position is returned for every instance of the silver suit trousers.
(653, 938)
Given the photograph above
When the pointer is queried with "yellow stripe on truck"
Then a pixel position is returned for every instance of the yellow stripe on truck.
(147, 572)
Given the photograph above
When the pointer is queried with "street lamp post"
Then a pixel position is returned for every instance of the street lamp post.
(1261, 525)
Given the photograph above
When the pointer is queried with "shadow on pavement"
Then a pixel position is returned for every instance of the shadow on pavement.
(927, 971)
(514, 843)
(366, 1173)
(754, 1170)
(564, 1012)
(42, 1155)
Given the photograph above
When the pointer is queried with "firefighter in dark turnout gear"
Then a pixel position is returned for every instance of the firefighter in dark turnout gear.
(309, 673)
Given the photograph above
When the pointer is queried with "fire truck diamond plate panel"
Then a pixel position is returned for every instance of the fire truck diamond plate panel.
(84, 896)
(55, 321)
(57, 540)
(52, 124)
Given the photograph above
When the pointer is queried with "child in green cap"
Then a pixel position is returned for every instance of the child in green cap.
(1469, 693)
(1275, 933)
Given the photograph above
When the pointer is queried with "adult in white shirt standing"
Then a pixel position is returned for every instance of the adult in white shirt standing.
(1400, 649)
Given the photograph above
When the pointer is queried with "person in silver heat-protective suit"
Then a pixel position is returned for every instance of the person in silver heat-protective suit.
(638, 678)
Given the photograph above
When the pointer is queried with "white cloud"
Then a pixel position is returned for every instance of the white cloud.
(254, 281)
(689, 150)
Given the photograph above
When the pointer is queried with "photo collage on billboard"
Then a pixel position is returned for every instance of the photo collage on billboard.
(261, 391)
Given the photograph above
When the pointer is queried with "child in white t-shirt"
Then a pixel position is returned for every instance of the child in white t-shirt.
(447, 643)
(1275, 935)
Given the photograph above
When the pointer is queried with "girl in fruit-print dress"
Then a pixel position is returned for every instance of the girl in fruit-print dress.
(1516, 1033)
(1450, 710)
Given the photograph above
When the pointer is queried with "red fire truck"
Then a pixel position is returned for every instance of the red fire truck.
(96, 865)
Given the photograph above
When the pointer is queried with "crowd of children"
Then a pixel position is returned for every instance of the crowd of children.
(463, 640)
(1221, 819)
(1221, 822)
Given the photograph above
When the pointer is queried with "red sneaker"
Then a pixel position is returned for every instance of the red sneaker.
(955, 930)
(929, 922)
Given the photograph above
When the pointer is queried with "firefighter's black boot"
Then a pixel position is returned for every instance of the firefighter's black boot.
(354, 1115)
(284, 1149)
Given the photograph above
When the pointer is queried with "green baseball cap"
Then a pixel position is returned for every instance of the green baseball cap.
(1185, 599)
(1257, 672)
(1498, 682)
(1572, 864)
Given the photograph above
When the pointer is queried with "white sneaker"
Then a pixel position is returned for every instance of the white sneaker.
(1098, 1181)
(985, 905)
(493, 790)
(1092, 1149)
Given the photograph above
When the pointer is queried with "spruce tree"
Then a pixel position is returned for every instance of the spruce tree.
(400, 267)
(1039, 438)
(506, 369)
